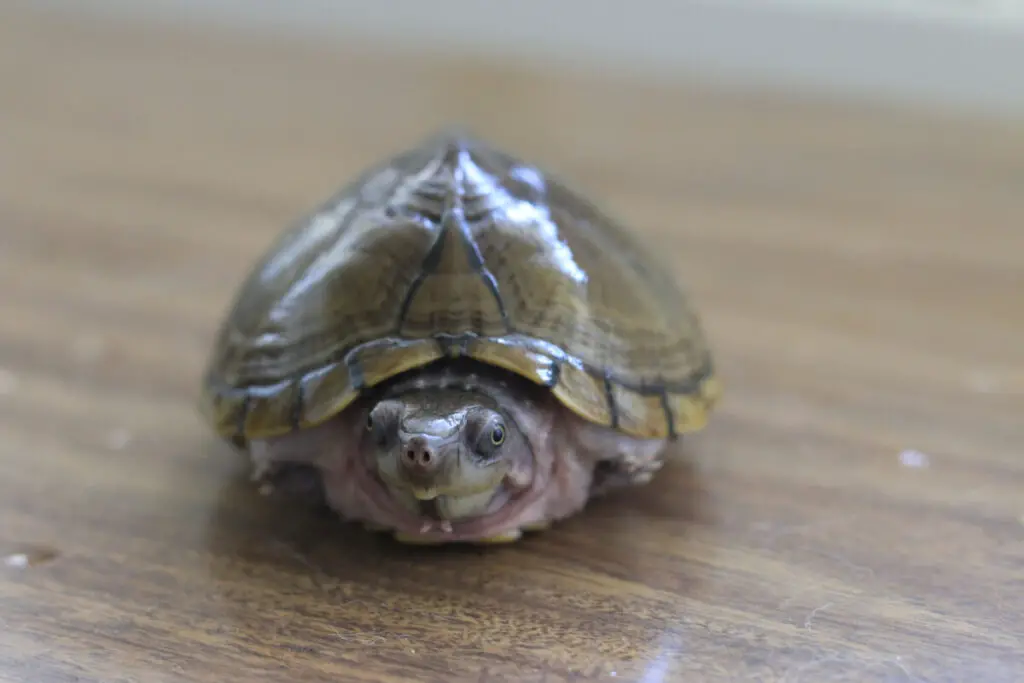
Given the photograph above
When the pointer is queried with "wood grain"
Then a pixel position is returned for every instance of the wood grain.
(855, 511)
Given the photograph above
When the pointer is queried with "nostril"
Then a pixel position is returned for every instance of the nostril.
(418, 456)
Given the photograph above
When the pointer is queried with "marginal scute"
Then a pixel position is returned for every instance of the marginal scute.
(532, 365)
(270, 409)
(223, 408)
(381, 362)
(691, 410)
(639, 414)
(711, 391)
(456, 247)
(583, 393)
(325, 393)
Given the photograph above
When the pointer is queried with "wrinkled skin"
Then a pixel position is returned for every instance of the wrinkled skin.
(453, 455)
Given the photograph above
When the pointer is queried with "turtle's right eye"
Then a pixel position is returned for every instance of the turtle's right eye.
(377, 432)
(381, 423)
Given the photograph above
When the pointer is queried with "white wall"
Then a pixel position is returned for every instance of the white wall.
(949, 53)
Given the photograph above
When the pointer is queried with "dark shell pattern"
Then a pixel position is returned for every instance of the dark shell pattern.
(455, 248)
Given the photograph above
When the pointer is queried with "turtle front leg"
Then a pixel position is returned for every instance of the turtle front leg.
(618, 460)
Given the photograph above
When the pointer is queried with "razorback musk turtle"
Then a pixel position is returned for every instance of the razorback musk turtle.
(461, 347)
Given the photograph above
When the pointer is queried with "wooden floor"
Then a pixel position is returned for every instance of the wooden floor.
(855, 511)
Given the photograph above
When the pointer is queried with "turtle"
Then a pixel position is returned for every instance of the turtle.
(457, 346)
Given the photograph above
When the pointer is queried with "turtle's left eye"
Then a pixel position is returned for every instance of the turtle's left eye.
(487, 433)
(497, 435)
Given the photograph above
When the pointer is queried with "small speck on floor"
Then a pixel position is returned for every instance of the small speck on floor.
(17, 560)
(28, 555)
(118, 439)
(912, 458)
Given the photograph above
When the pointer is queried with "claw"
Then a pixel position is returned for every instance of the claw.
(446, 526)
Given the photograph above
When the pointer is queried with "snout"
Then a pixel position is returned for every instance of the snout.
(420, 459)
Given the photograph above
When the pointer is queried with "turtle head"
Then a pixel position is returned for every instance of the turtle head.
(452, 446)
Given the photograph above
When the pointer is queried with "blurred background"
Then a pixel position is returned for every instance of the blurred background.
(956, 54)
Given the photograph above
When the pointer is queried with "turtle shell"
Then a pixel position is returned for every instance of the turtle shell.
(456, 248)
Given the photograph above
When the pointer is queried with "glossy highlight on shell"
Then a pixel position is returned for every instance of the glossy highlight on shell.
(456, 249)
